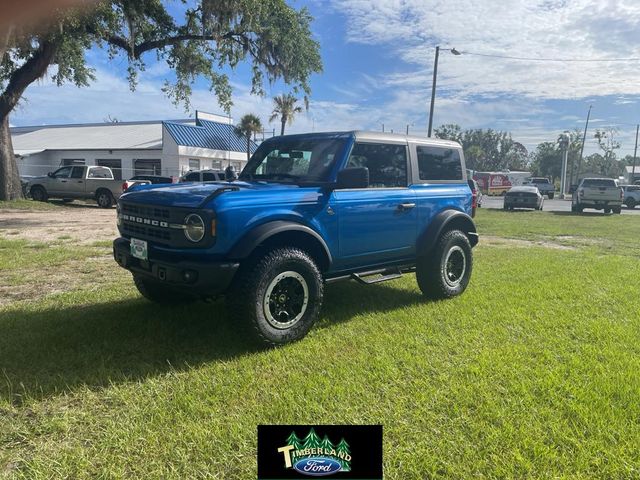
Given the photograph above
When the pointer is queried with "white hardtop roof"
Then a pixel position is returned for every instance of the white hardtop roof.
(391, 137)
(96, 136)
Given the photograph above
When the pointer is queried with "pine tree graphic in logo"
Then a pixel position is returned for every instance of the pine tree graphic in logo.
(343, 452)
(316, 456)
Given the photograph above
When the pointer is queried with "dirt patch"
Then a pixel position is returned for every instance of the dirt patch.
(487, 240)
(86, 274)
(82, 224)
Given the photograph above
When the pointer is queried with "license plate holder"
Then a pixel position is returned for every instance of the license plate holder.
(139, 249)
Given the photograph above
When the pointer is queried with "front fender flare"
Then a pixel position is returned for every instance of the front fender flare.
(442, 222)
(260, 234)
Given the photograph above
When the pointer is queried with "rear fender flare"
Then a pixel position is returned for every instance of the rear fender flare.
(443, 222)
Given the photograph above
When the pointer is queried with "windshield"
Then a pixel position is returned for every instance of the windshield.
(540, 180)
(294, 160)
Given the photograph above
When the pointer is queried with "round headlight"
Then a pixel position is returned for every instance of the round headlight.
(194, 227)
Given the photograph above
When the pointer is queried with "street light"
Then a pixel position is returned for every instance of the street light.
(433, 88)
(563, 141)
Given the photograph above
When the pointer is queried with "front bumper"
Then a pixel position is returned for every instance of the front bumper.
(199, 278)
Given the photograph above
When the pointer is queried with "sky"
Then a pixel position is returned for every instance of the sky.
(378, 64)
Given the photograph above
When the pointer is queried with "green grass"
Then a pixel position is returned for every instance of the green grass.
(532, 373)
(26, 205)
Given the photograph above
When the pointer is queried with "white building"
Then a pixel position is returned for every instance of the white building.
(630, 175)
(168, 148)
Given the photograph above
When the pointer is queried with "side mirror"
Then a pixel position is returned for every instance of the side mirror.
(355, 177)
(50, 174)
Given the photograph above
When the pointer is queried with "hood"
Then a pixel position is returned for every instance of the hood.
(191, 195)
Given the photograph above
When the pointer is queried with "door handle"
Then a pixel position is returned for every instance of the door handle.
(406, 206)
(63, 181)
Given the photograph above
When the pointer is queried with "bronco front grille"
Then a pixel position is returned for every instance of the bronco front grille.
(143, 232)
(145, 211)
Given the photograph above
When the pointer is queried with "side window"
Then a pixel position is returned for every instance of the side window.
(438, 163)
(387, 163)
(62, 172)
(77, 172)
(209, 177)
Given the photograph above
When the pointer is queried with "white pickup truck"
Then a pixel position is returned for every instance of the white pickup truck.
(73, 182)
(599, 194)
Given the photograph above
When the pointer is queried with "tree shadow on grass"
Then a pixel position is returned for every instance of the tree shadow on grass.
(56, 349)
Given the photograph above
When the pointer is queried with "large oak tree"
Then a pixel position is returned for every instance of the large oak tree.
(205, 39)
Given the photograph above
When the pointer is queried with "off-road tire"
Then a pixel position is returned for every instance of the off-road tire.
(39, 194)
(431, 273)
(161, 294)
(104, 199)
(250, 306)
(550, 196)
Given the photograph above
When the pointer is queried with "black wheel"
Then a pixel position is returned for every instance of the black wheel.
(579, 208)
(607, 210)
(159, 293)
(617, 210)
(631, 203)
(67, 200)
(104, 199)
(39, 194)
(550, 195)
(446, 270)
(277, 296)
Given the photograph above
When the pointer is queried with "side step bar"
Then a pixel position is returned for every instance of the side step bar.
(381, 275)
(384, 275)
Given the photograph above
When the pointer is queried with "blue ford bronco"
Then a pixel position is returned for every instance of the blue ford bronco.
(307, 210)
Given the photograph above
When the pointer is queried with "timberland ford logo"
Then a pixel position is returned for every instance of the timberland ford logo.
(315, 456)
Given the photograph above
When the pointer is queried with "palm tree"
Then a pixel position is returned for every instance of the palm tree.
(284, 106)
(249, 125)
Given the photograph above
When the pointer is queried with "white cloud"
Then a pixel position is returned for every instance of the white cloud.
(589, 29)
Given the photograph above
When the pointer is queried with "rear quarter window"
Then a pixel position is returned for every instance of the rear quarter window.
(438, 163)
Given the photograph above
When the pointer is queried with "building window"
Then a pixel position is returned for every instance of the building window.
(114, 164)
(67, 162)
(194, 164)
(145, 166)
(216, 165)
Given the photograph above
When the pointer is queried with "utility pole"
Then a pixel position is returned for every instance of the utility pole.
(635, 152)
(383, 127)
(433, 91)
(563, 141)
(407, 129)
(584, 139)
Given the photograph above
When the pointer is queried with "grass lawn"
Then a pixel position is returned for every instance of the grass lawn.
(532, 373)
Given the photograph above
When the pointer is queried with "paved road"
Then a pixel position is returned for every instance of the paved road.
(554, 205)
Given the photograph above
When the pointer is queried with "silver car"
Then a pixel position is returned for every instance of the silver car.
(526, 196)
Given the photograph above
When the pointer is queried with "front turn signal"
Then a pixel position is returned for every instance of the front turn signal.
(213, 227)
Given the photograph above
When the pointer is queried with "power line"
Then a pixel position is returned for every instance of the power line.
(544, 59)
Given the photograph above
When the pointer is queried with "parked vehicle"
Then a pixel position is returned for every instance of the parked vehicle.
(599, 194)
(544, 185)
(307, 210)
(526, 196)
(76, 182)
(203, 176)
(145, 180)
(498, 183)
(631, 195)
